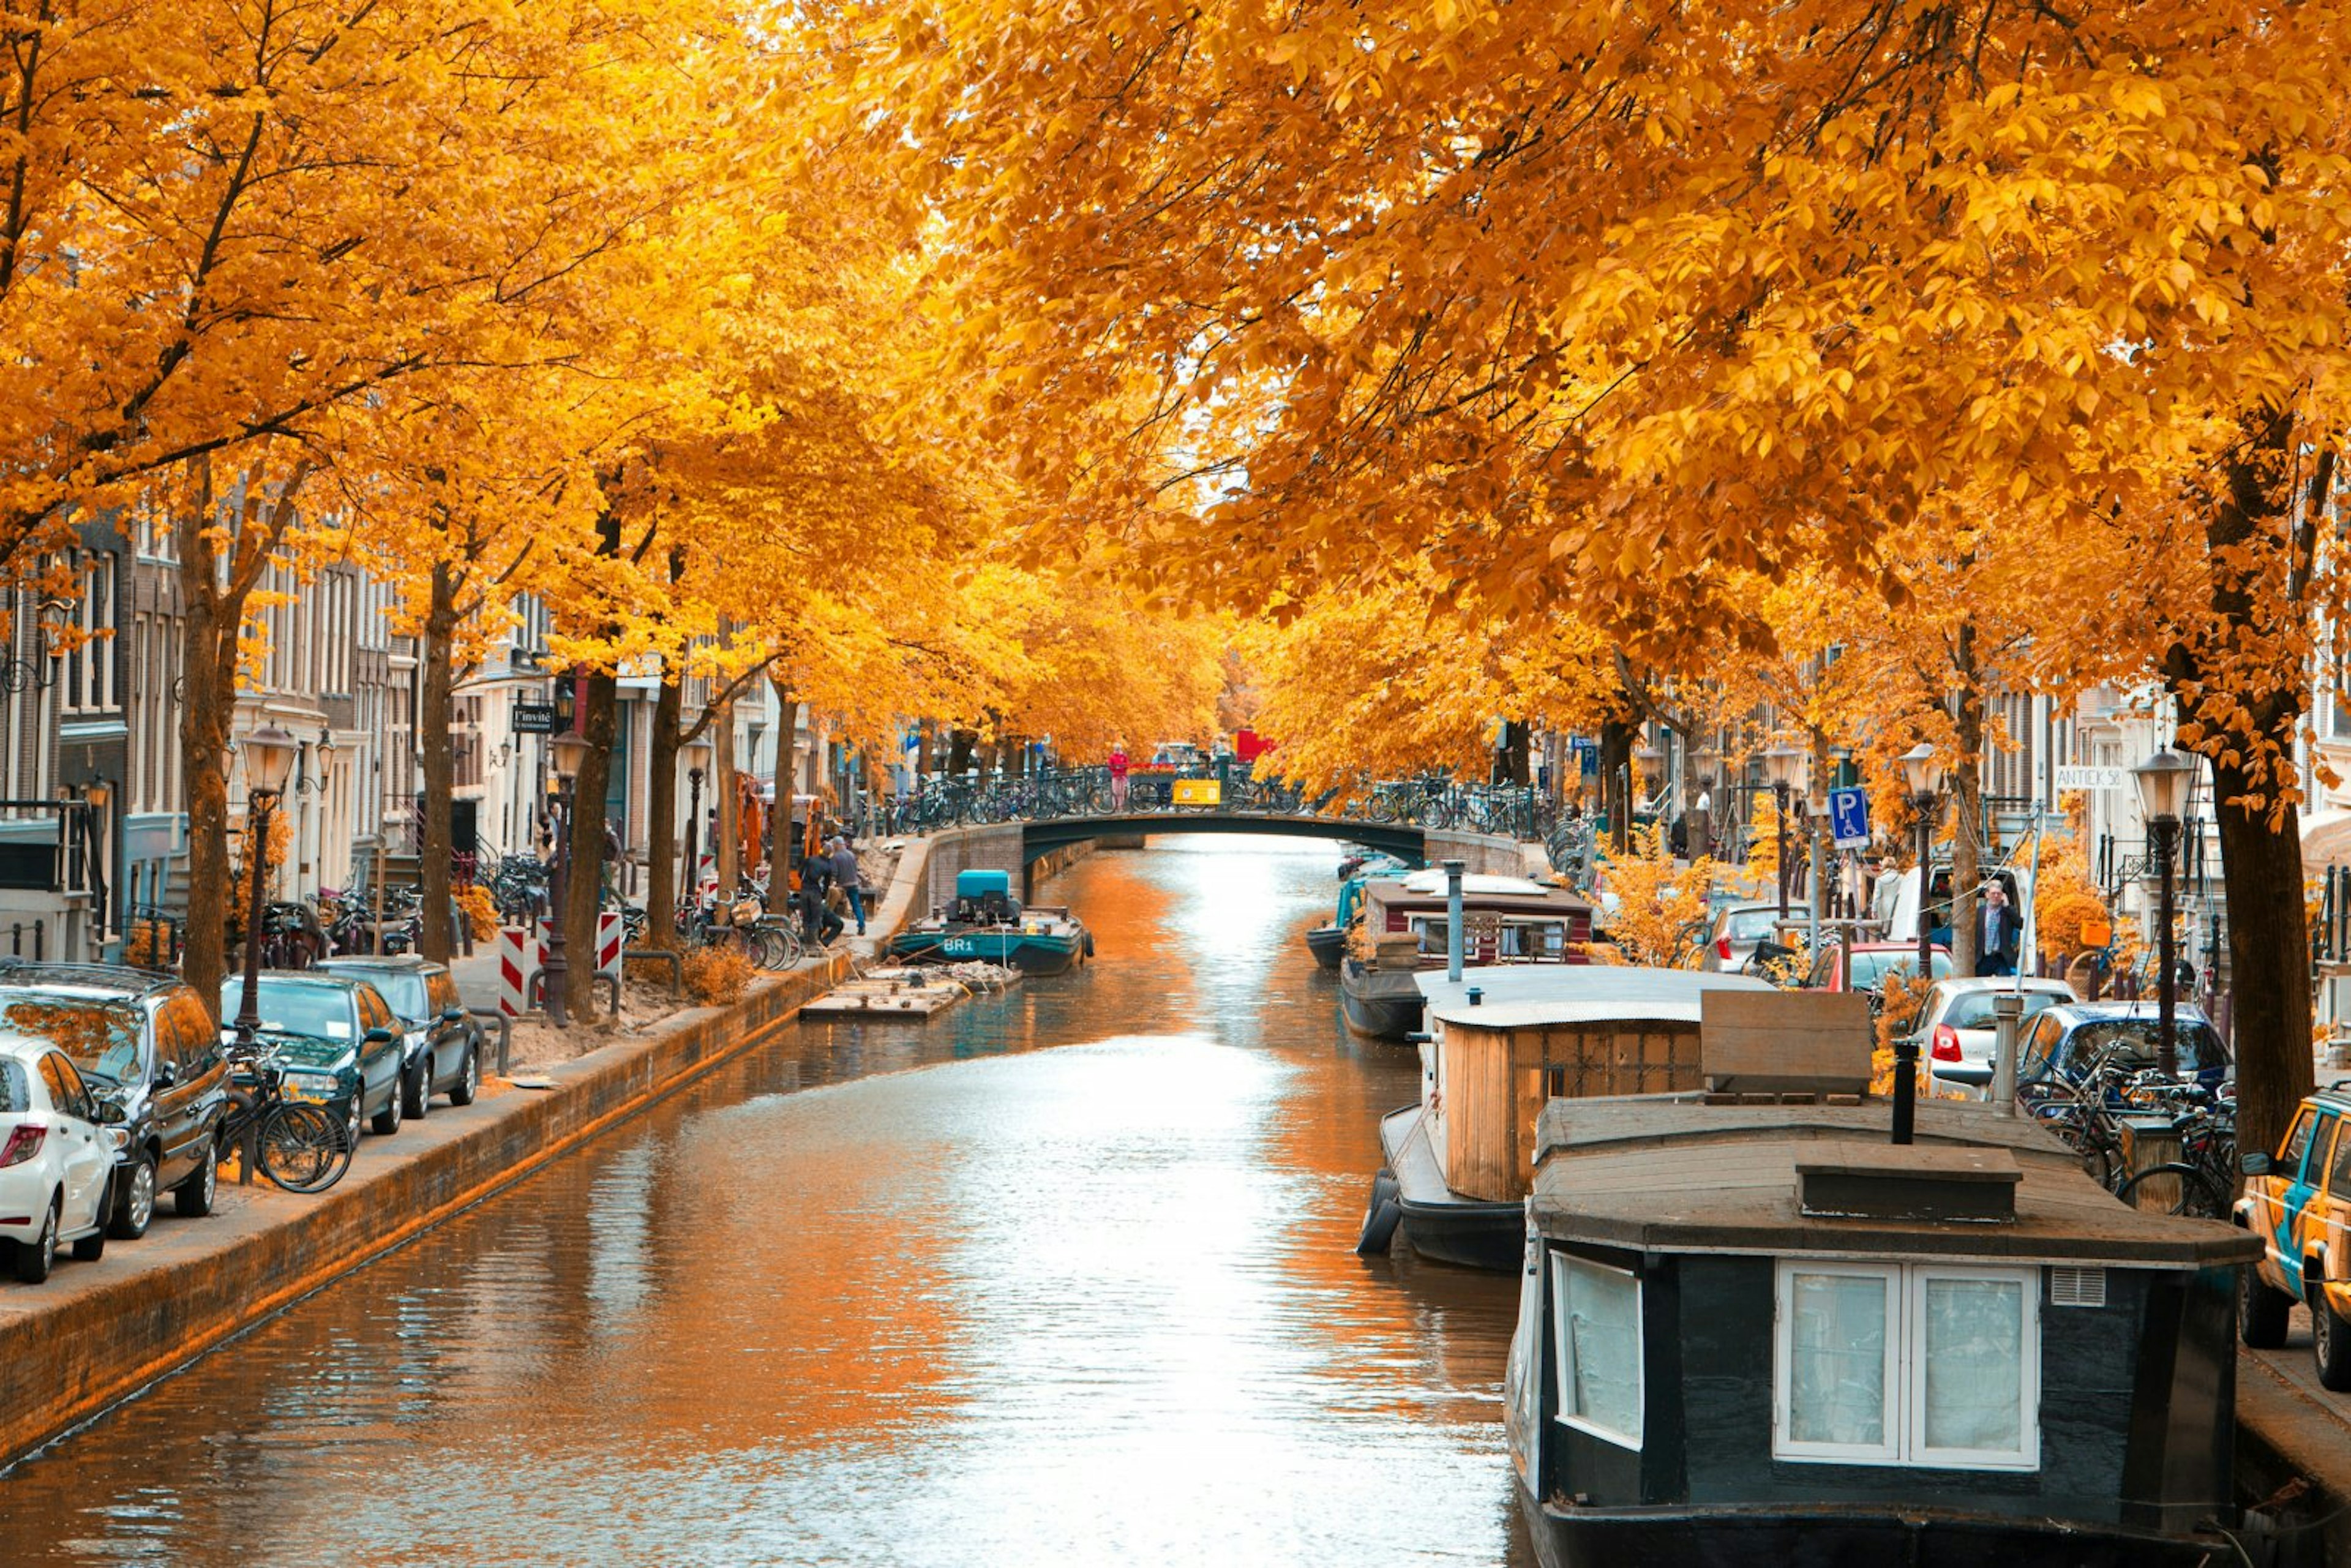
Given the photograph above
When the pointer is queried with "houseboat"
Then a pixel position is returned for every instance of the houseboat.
(1329, 942)
(1764, 1333)
(1506, 920)
(985, 924)
(1500, 1043)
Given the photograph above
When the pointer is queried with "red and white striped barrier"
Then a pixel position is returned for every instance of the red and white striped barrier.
(517, 956)
(610, 934)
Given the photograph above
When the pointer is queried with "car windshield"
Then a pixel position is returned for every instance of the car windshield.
(322, 1012)
(1751, 924)
(15, 1087)
(2135, 1039)
(1972, 1009)
(101, 1039)
(1870, 968)
(404, 991)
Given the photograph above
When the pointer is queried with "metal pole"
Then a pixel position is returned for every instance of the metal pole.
(248, 1012)
(1780, 795)
(1813, 889)
(2167, 1051)
(556, 971)
(1905, 1044)
(1453, 936)
(2008, 1018)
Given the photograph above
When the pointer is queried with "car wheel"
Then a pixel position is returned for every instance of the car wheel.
(134, 1199)
(194, 1196)
(353, 1122)
(387, 1120)
(2260, 1311)
(469, 1077)
(36, 1258)
(2330, 1342)
(416, 1087)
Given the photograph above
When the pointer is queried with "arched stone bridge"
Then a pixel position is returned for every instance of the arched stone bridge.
(1019, 847)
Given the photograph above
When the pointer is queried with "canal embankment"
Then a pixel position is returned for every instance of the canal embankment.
(99, 1331)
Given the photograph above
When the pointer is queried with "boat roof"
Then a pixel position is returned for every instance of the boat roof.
(1427, 890)
(1527, 996)
(1670, 1172)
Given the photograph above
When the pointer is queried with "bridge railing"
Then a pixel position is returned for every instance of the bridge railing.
(1430, 800)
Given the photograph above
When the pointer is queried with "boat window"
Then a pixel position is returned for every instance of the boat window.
(1534, 939)
(1907, 1364)
(1433, 935)
(1597, 1313)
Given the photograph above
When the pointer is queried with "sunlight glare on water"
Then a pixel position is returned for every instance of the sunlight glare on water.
(889, 1294)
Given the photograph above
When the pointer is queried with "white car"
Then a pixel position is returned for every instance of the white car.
(1956, 1037)
(56, 1157)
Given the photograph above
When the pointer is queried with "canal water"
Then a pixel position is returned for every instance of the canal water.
(1065, 1276)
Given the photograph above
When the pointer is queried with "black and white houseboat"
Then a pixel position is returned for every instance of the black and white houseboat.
(1763, 1333)
(1405, 929)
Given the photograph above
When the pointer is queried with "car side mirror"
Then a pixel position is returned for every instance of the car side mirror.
(107, 1114)
(453, 1015)
(379, 1036)
(2254, 1163)
(167, 1073)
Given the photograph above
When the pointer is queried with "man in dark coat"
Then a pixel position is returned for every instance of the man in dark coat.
(1998, 928)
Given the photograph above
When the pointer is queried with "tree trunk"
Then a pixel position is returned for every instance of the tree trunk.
(598, 705)
(959, 750)
(1515, 736)
(779, 880)
(2269, 963)
(435, 714)
(662, 844)
(208, 699)
(1967, 798)
(926, 739)
(1616, 738)
(726, 831)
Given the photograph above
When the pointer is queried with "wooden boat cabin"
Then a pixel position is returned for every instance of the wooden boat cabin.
(1764, 1333)
(1499, 1044)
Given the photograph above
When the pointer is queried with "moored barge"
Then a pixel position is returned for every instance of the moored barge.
(1506, 920)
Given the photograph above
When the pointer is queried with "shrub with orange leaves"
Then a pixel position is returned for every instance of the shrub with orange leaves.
(717, 976)
(1656, 899)
(480, 910)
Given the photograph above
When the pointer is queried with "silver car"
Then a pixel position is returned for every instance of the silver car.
(1732, 937)
(1956, 1035)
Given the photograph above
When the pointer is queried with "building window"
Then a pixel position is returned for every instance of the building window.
(1596, 1314)
(1907, 1364)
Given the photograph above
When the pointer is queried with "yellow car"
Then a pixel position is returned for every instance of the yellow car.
(2298, 1201)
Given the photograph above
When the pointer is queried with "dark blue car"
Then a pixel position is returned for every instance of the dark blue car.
(2066, 1040)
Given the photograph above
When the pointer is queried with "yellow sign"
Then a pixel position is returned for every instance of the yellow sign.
(1198, 792)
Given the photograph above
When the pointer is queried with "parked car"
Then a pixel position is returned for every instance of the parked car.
(337, 1038)
(1732, 937)
(2298, 1201)
(142, 1041)
(2064, 1040)
(442, 1045)
(56, 1157)
(1863, 965)
(1955, 1030)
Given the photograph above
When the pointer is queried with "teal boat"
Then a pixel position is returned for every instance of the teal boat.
(986, 925)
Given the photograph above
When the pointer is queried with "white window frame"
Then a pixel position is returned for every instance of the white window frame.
(1905, 1368)
(2027, 1456)
(1563, 1351)
(1784, 1342)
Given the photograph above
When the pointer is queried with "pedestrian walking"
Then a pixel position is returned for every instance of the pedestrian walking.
(1996, 944)
(1118, 776)
(848, 879)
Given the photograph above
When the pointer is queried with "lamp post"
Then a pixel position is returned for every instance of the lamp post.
(1784, 766)
(696, 753)
(1921, 773)
(565, 751)
(268, 758)
(2163, 781)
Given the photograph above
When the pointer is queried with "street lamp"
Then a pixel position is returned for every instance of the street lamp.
(2163, 781)
(1923, 774)
(1784, 766)
(269, 759)
(696, 753)
(566, 751)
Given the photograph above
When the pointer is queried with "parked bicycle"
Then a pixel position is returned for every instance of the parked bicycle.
(297, 1145)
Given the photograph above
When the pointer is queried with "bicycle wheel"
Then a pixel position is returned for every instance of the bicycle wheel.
(788, 946)
(2196, 1197)
(302, 1148)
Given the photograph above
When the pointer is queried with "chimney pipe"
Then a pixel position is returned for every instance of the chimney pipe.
(1453, 921)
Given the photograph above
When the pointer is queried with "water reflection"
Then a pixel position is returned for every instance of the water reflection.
(1091, 1303)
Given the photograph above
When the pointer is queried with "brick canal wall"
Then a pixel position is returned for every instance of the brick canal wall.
(67, 1353)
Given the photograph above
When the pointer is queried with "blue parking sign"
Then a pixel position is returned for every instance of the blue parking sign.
(1849, 818)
